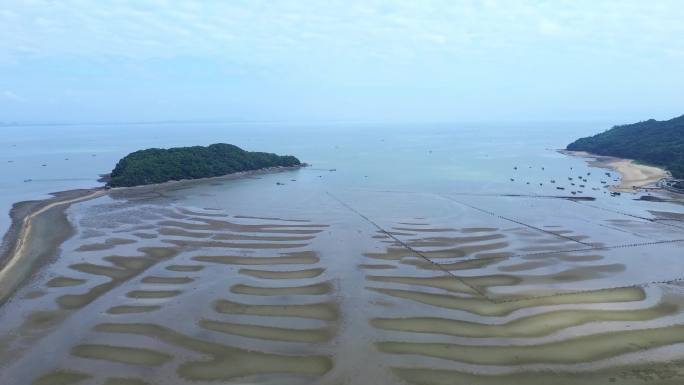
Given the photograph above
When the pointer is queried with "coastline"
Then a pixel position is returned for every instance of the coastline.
(634, 176)
(186, 182)
(39, 227)
(36, 219)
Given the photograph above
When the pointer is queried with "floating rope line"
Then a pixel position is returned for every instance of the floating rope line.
(483, 294)
(406, 246)
(651, 220)
(516, 221)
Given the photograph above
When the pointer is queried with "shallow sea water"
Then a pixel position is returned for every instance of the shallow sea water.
(416, 261)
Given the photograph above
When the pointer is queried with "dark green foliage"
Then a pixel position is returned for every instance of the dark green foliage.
(660, 143)
(156, 165)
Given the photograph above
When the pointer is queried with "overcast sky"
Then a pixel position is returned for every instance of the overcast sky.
(370, 60)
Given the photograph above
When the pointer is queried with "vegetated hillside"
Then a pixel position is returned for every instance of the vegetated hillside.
(156, 165)
(656, 142)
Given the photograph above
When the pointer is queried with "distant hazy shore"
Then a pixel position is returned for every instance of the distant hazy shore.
(39, 227)
(634, 176)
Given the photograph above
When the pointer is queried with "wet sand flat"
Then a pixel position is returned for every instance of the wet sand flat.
(386, 288)
(270, 332)
(38, 228)
(126, 355)
(280, 260)
(315, 289)
(286, 274)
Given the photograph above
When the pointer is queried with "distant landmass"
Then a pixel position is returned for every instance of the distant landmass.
(156, 165)
(660, 143)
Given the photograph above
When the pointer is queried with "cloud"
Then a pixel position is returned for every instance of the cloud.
(11, 96)
(510, 51)
(271, 29)
(550, 28)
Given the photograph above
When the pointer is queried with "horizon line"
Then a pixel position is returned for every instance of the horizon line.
(291, 122)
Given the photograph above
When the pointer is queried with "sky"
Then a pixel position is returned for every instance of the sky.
(340, 60)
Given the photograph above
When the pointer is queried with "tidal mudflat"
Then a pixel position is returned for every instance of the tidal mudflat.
(253, 282)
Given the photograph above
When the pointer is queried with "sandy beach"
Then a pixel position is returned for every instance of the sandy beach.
(634, 175)
(46, 222)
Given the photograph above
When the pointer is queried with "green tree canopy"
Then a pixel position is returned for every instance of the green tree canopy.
(156, 165)
(660, 143)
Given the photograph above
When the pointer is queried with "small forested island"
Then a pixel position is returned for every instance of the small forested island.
(156, 165)
(660, 143)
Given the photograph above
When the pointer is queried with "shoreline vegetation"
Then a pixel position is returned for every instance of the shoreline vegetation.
(156, 165)
(651, 142)
(635, 176)
(39, 227)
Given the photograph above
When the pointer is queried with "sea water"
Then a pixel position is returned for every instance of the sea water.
(476, 157)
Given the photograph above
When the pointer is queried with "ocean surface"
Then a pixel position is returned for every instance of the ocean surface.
(435, 254)
(38, 160)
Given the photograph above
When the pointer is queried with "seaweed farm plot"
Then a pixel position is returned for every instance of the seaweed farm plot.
(483, 259)
(185, 295)
(532, 319)
(593, 223)
(459, 229)
(522, 297)
(506, 248)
